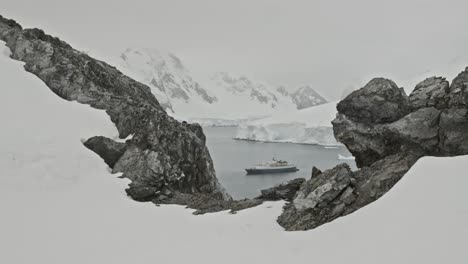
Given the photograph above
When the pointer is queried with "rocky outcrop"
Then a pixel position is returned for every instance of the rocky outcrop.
(163, 156)
(109, 150)
(285, 191)
(387, 132)
(315, 172)
(380, 101)
(458, 92)
(430, 93)
(168, 162)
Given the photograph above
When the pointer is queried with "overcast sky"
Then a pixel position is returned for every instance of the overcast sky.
(330, 45)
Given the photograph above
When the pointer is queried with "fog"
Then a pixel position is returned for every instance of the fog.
(330, 45)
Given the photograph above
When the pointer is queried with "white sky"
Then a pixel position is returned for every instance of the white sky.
(328, 44)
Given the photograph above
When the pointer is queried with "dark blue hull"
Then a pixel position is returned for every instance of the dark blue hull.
(269, 171)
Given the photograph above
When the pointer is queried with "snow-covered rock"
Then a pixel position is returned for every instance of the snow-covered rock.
(306, 126)
(385, 145)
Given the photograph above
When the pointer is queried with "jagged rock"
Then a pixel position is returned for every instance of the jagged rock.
(168, 161)
(317, 201)
(142, 193)
(371, 142)
(109, 150)
(315, 172)
(162, 152)
(380, 101)
(339, 191)
(387, 133)
(285, 191)
(204, 203)
(453, 132)
(430, 92)
(366, 142)
(458, 96)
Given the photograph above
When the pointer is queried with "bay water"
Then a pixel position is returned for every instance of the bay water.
(231, 157)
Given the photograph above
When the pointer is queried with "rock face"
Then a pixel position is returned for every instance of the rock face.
(387, 132)
(109, 150)
(168, 162)
(285, 191)
(430, 92)
(380, 101)
(163, 154)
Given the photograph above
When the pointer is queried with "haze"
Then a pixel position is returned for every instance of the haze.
(330, 45)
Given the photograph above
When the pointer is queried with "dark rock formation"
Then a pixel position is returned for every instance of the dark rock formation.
(204, 203)
(430, 92)
(458, 94)
(315, 172)
(168, 162)
(285, 191)
(380, 101)
(109, 150)
(162, 153)
(387, 132)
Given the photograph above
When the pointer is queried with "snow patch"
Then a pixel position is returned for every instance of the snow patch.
(341, 157)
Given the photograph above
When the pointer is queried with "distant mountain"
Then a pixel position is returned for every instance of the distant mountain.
(247, 89)
(222, 96)
(306, 97)
(166, 75)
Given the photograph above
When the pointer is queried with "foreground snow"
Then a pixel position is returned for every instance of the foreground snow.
(307, 126)
(60, 205)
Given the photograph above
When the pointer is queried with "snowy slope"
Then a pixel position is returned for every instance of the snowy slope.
(306, 126)
(60, 205)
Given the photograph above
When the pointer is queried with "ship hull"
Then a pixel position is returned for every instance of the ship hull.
(271, 170)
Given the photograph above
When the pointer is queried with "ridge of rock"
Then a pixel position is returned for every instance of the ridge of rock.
(163, 154)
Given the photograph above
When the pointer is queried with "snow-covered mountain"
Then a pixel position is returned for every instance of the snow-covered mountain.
(167, 76)
(250, 98)
(223, 96)
(306, 97)
(305, 126)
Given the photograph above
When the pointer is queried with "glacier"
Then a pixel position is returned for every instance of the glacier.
(307, 126)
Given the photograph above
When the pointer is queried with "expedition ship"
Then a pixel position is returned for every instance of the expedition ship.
(274, 166)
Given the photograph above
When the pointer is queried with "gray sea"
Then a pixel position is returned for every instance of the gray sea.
(231, 157)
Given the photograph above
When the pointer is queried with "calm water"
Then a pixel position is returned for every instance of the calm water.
(231, 157)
